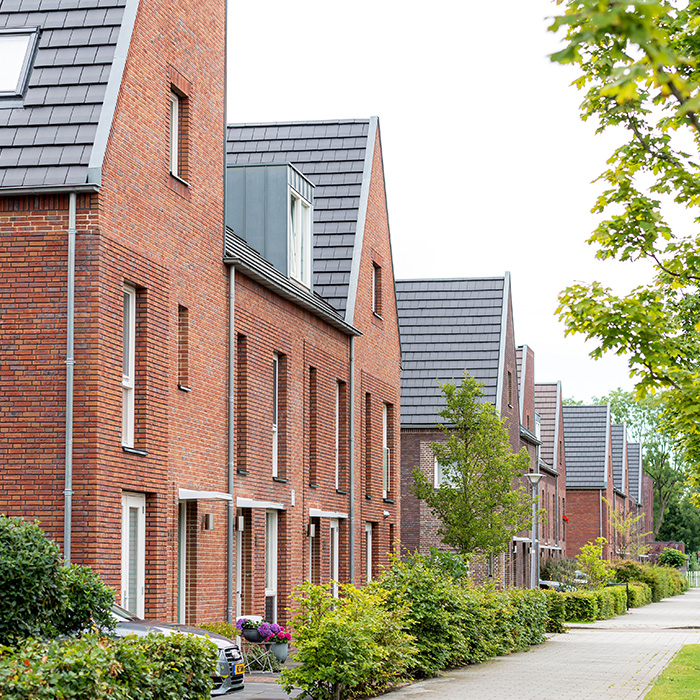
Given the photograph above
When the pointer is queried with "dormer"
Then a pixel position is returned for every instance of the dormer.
(271, 208)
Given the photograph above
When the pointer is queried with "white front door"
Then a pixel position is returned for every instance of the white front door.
(133, 552)
(182, 562)
(271, 566)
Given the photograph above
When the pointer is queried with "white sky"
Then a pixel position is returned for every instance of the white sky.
(488, 167)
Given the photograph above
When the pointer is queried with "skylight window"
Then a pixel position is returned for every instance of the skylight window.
(16, 51)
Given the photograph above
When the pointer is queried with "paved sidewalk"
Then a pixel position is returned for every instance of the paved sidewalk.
(616, 658)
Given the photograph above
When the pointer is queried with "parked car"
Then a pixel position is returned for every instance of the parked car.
(230, 667)
(553, 586)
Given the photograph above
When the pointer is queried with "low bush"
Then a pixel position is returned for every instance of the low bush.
(662, 580)
(640, 594)
(581, 606)
(673, 558)
(529, 617)
(39, 597)
(556, 611)
(348, 646)
(155, 667)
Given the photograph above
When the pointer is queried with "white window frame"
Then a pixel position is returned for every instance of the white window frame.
(271, 544)
(299, 248)
(386, 453)
(16, 51)
(334, 555)
(134, 503)
(437, 474)
(369, 538)
(275, 412)
(128, 365)
(174, 133)
(182, 562)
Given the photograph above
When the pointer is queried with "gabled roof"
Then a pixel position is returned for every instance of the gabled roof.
(586, 446)
(336, 156)
(448, 326)
(547, 399)
(619, 456)
(634, 462)
(56, 135)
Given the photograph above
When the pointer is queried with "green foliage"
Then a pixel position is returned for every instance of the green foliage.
(640, 594)
(681, 523)
(556, 611)
(672, 557)
(456, 623)
(349, 646)
(40, 597)
(476, 505)
(156, 667)
(591, 562)
(662, 580)
(638, 64)
(581, 606)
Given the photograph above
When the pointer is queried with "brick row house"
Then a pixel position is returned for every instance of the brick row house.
(201, 405)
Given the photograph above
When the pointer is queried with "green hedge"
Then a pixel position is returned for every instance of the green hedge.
(581, 606)
(155, 667)
(640, 594)
(556, 611)
(662, 580)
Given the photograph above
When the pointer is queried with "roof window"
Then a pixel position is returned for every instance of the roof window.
(16, 54)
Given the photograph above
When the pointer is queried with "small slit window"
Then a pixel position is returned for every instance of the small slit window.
(16, 53)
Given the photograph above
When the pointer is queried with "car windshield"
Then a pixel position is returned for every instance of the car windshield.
(122, 615)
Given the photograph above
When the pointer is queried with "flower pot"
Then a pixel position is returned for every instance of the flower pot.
(280, 650)
(252, 635)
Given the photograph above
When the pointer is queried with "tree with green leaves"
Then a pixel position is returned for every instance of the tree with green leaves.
(643, 417)
(478, 506)
(638, 64)
(682, 524)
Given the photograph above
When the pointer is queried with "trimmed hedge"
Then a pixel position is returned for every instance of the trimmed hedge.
(640, 594)
(556, 611)
(581, 605)
(662, 580)
(154, 667)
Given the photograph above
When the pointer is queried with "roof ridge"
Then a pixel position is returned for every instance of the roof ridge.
(308, 122)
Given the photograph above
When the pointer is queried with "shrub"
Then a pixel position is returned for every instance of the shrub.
(581, 606)
(38, 596)
(349, 646)
(529, 617)
(556, 611)
(672, 557)
(591, 562)
(640, 594)
(155, 667)
(662, 580)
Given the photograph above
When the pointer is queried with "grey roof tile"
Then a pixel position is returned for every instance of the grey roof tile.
(586, 446)
(619, 455)
(328, 153)
(634, 462)
(65, 91)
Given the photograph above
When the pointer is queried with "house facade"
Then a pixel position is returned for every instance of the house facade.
(449, 327)
(206, 421)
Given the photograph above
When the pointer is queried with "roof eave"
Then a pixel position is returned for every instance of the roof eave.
(48, 189)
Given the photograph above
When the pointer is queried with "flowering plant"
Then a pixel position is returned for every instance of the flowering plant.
(564, 518)
(244, 623)
(278, 634)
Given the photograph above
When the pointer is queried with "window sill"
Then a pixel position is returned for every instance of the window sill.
(342, 492)
(376, 315)
(280, 479)
(134, 451)
(368, 497)
(313, 486)
(179, 186)
(389, 500)
(182, 387)
(242, 472)
(179, 179)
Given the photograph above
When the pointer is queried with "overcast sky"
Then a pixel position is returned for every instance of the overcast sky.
(488, 167)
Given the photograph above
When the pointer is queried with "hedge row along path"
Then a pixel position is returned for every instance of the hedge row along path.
(616, 658)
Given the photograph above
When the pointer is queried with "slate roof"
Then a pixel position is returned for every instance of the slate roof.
(619, 443)
(47, 139)
(634, 463)
(586, 446)
(546, 405)
(447, 326)
(332, 155)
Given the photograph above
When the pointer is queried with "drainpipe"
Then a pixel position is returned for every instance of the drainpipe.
(351, 518)
(231, 423)
(70, 364)
(600, 504)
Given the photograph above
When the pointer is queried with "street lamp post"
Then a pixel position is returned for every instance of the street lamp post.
(534, 479)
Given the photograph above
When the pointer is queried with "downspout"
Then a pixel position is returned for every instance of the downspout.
(70, 364)
(601, 512)
(231, 455)
(351, 518)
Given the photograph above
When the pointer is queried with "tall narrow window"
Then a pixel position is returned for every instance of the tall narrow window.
(437, 473)
(271, 566)
(175, 134)
(386, 453)
(275, 413)
(299, 239)
(242, 404)
(128, 365)
(337, 435)
(133, 552)
(313, 426)
(369, 546)
(183, 347)
(376, 289)
(510, 390)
